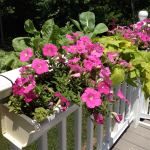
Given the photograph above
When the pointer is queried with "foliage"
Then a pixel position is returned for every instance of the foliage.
(87, 20)
(140, 60)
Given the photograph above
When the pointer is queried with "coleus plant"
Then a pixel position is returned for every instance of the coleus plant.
(80, 75)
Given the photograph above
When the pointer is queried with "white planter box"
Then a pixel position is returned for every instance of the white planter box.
(21, 132)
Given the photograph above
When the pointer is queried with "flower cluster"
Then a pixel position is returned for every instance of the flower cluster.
(82, 73)
(140, 36)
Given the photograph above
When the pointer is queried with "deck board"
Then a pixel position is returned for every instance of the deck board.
(134, 138)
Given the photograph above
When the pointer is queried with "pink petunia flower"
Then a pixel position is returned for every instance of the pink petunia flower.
(117, 117)
(22, 81)
(76, 34)
(24, 70)
(40, 66)
(25, 55)
(30, 96)
(98, 118)
(91, 97)
(17, 90)
(123, 62)
(104, 87)
(70, 37)
(49, 50)
(64, 102)
(122, 96)
(105, 72)
(88, 64)
(29, 88)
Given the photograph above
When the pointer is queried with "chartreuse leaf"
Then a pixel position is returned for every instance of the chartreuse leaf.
(130, 82)
(76, 23)
(133, 74)
(137, 61)
(29, 27)
(117, 76)
(100, 28)
(146, 91)
(87, 20)
(146, 66)
(20, 44)
(148, 85)
(47, 31)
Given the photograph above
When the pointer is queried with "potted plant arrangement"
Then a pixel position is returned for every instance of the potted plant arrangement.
(82, 74)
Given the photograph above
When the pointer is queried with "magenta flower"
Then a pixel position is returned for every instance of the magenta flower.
(70, 37)
(64, 102)
(122, 96)
(49, 50)
(22, 81)
(32, 79)
(110, 56)
(98, 118)
(29, 96)
(123, 62)
(85, 39)
(117, 117)
(76, 34)
(73, 60)
(25, 55)
(40, 66)
(104, 87)
(91, 97)
(24, 70)
(88, 64)
(29, 88)
(17, 90)
(105, 72)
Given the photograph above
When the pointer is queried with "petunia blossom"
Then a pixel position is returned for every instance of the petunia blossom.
(49, 50)
(91, 97)
(98, 118)
(40, 66)
(30, 96)
(122, 96)
(104, 87)
(77, 75)
(117, 117)
(25, 55)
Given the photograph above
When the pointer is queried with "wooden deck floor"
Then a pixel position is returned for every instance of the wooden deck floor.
(134, 139)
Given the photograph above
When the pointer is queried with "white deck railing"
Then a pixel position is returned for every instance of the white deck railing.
(130, 114)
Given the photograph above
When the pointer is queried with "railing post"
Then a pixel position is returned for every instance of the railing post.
(42, 142)
(89, 134)
(135, 104)
(62, 135)
(78, 128)
(13, 147)
(99, 136)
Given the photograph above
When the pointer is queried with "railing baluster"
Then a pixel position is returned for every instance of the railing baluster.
(116, 108)
(123, 102)
(78, 128)
(99, 136)
(13, 147)
(108, 126)
(89, 134)
(42, 142)
(128, 106)
(62, 135)
(135, 105)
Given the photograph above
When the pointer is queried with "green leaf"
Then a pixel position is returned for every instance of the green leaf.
(148, 85)
(55, 34)
(76, 23)
(137, 61)
(20, 44)
(133, 74)
(130, 82)
(117, 76)
(29, 27)
(87, 20)
(146, 66)
(47, 31)
(100, 28)
(35, 41)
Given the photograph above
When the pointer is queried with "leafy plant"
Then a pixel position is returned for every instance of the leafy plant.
(87, 20)
(140, 60)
